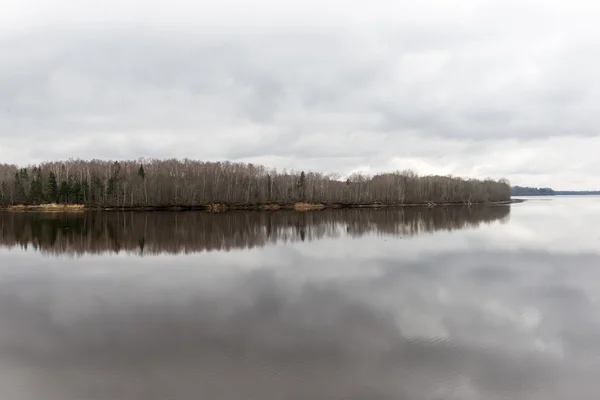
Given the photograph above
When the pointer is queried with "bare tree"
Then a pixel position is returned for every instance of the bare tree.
(188, 183)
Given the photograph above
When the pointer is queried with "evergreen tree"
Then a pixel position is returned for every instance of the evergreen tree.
(52, 188)
(302, 186)
(64, 192)
(36, 187)
(36, 192)
(141, 172)
(112, 189)
(269, 187)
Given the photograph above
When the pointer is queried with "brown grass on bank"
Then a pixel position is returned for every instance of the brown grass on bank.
(49, 207)
(302, 206)
(216, 207)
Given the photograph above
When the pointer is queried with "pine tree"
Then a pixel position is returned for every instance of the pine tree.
(64, 192)
(36, 188)
(114, 181)
(302, 186)
(36, 192)
(141, 172)
(269, 187)
(52, 188)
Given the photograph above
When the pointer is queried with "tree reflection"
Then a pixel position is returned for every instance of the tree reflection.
(187, 232)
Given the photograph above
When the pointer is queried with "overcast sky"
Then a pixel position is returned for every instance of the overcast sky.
(480, 88)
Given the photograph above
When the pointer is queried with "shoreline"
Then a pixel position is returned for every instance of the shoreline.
(221, 207)
(51, 207)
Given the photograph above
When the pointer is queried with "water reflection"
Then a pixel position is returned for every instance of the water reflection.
(171, 232)
(505, 311)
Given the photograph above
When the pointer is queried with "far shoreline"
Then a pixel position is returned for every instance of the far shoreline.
(222, 207)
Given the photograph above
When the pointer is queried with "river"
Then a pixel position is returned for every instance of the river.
(497, 302)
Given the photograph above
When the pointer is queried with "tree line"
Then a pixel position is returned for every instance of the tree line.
(184, 182)
(95, 232)
(531, 191)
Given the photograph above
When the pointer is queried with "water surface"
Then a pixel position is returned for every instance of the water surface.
(461, 303)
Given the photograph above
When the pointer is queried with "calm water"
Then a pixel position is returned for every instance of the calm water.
(482, 303)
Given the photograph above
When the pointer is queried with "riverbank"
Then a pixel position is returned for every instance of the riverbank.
(221, 207)
(50, 207)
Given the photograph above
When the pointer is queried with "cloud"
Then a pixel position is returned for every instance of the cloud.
(306, 88)
(407, 331)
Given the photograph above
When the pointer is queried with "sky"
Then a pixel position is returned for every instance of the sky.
(500, 89)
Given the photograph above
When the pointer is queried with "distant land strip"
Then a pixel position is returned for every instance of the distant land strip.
(534, 191)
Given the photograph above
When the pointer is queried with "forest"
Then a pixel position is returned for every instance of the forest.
(189, 183)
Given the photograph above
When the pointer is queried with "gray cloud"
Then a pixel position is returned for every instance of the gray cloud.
(328, 93)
